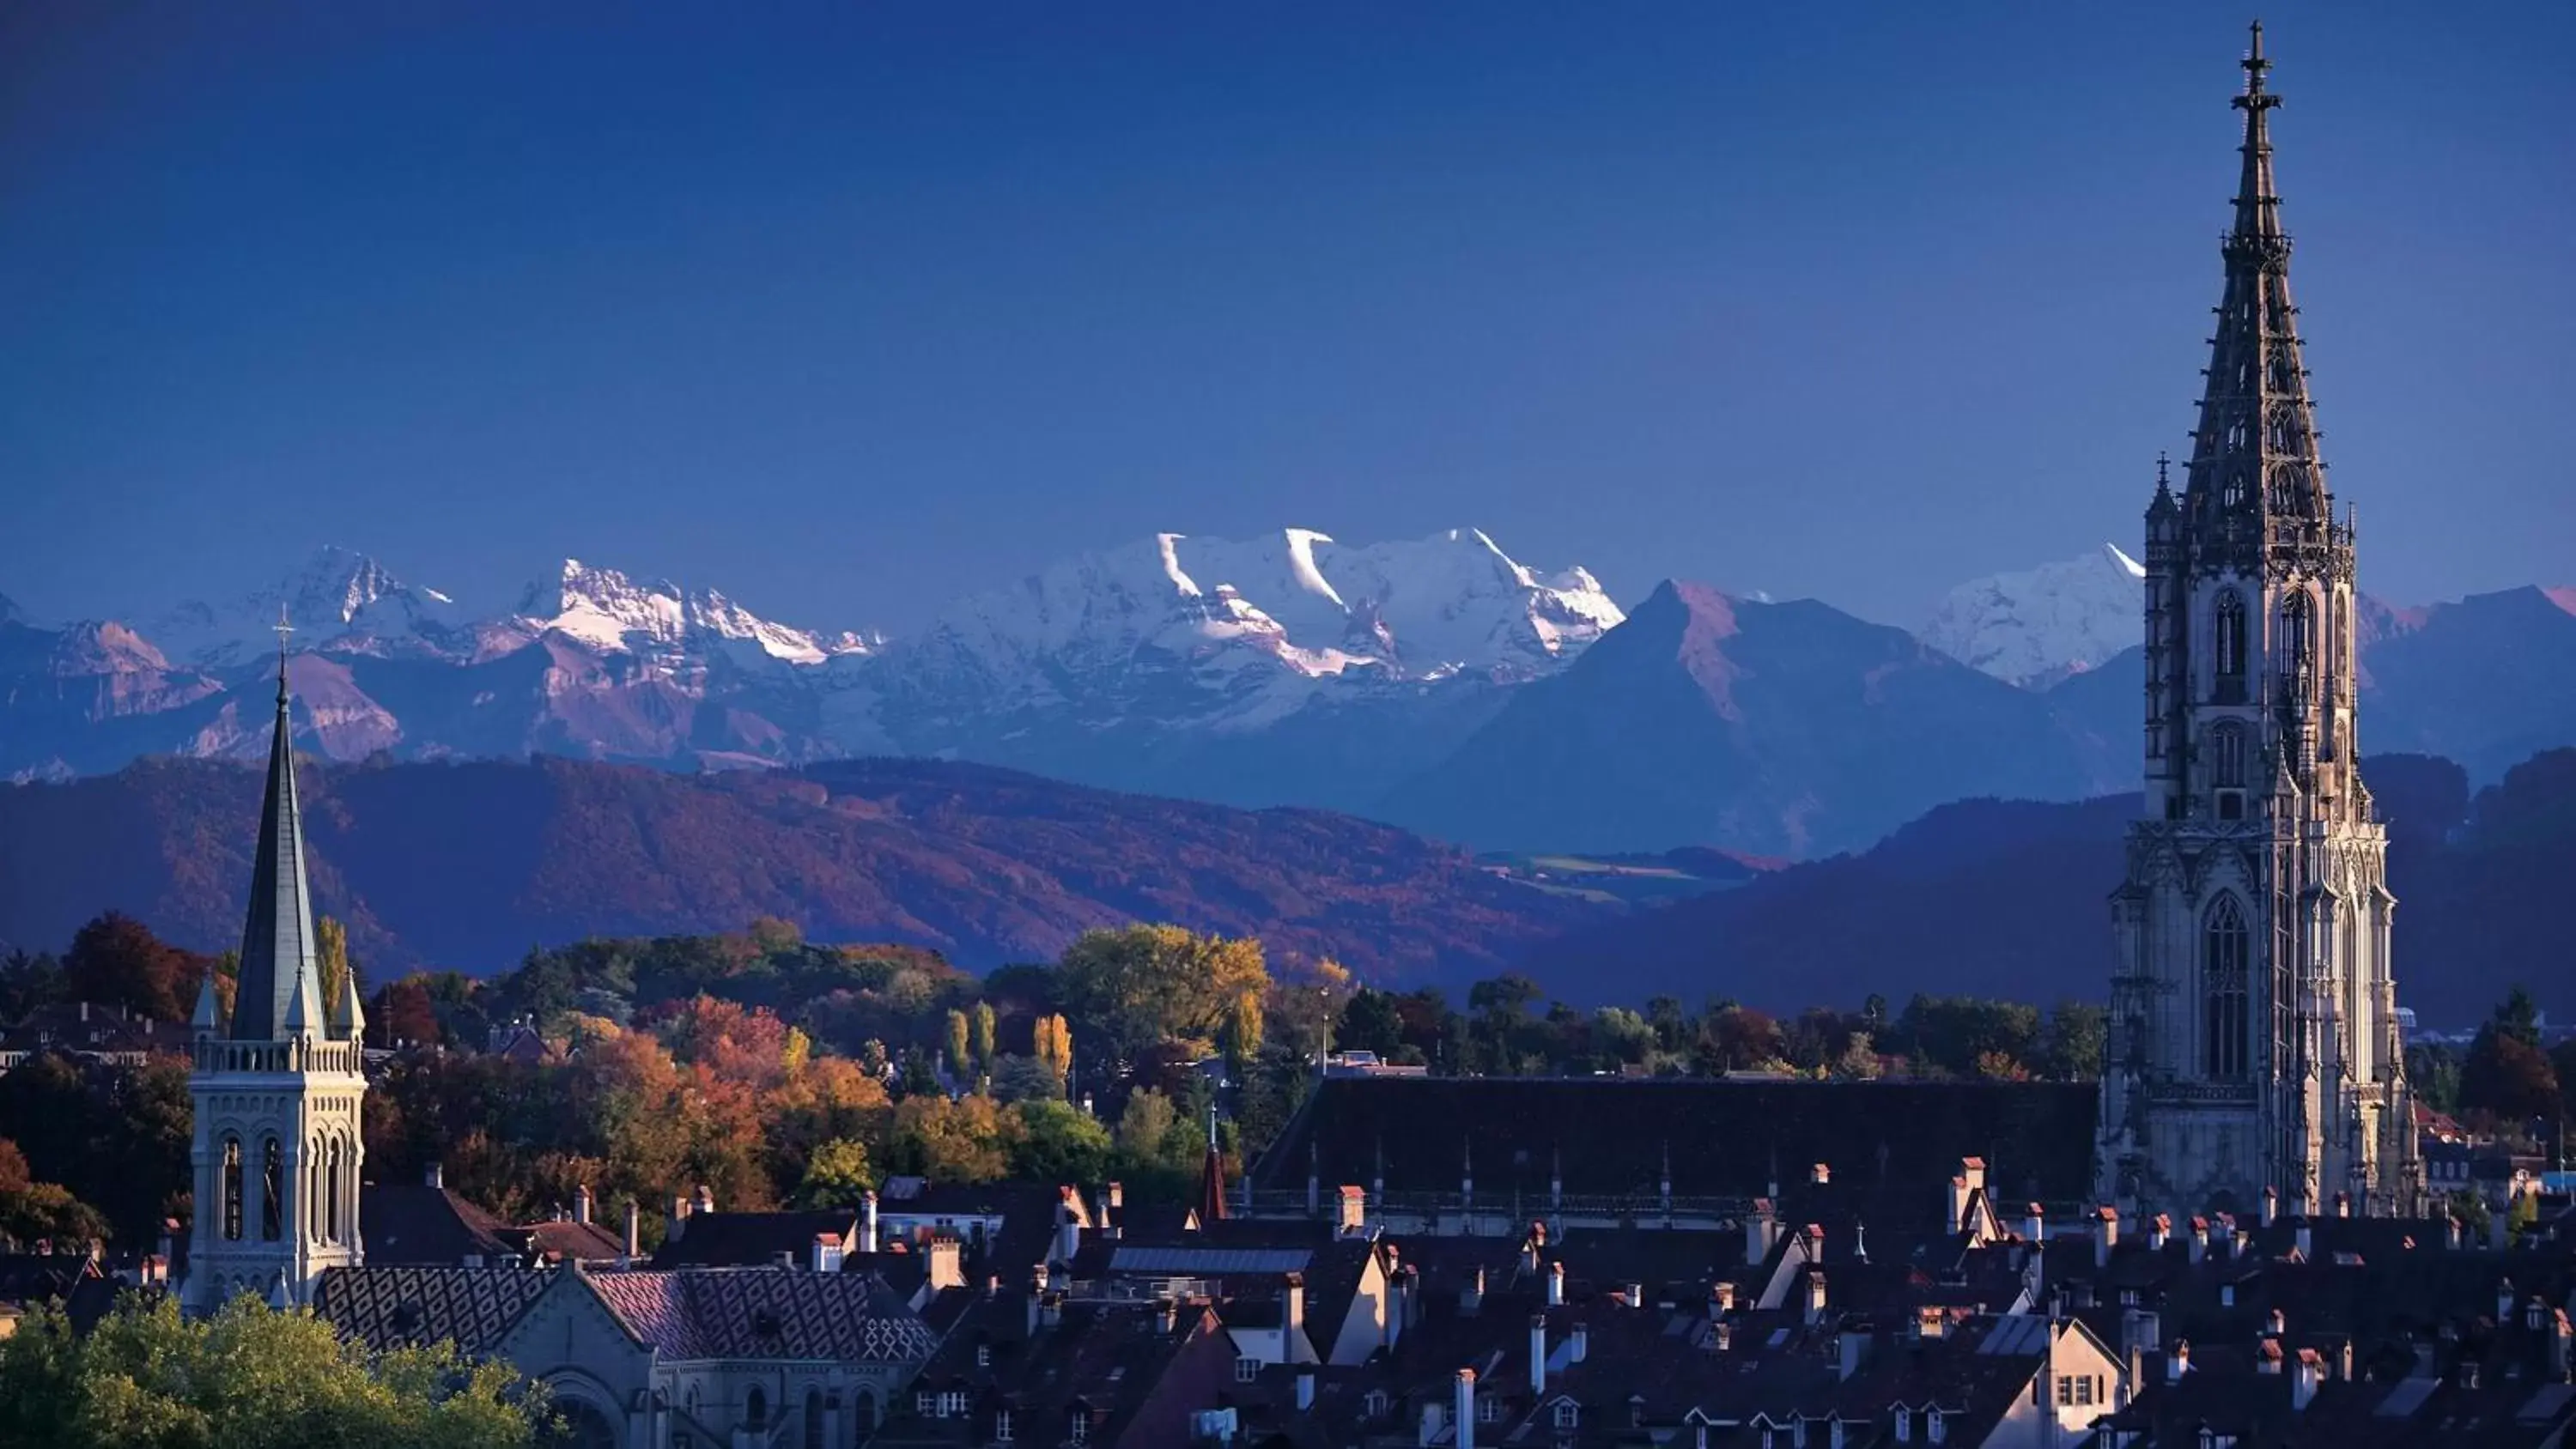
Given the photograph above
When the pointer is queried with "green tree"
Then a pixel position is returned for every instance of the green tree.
(331, 951)
(984, 1035)
(960, 1037)
(1143, 986)
(1859, 1060)
(1058, 1144)
(145, 1378)
(2078, 1033)
(27, 982)
(838, 1175)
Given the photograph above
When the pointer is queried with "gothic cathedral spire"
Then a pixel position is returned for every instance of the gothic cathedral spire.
(2254, 1039)
(280, 980)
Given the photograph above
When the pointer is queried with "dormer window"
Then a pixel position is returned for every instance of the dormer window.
(1904, 1425)
(1568, 1414)
(983, 1355)
(1079, 1430)
(1001, 1426)
(1246, 1369)
(1489, 1409)
(1933, 1429)
(1373, 1403)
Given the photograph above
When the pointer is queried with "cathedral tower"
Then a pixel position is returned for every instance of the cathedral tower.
(276, 1086)
(2254, 1037)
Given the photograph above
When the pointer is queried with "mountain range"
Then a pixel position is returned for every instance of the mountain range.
(1438, 684)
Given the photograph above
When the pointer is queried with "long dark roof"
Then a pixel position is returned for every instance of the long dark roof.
(1725, 1139)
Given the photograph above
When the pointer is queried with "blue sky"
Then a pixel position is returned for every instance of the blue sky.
(848, 309)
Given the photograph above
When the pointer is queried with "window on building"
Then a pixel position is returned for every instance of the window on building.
(2223, 982)
(1001, 1426)
(272, 1190)
(1567, 1413)
(2229, 640)
(232, 1188)
(925, 1403)
(1079, 1430)
(952, 1404)
(2298, 632)
(1489, 1409)
(755, 1408)
(1905, 1426)
(1933, 1429)
(1699, 1436)
(813, 1428)
(983, 1355)
(1374, 1403)
(332, 1193)
(2227, 756)
(1246, 1369)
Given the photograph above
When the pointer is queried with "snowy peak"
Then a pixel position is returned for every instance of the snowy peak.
(337, 600)
(2037, 626)
(1296, 599)
(614, 613)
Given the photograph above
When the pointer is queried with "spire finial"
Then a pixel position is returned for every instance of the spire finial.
(2164, 463)
(2256, 98)
(283, 628)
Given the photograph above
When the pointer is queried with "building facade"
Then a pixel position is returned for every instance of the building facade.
(276, 1085)
(2254, 1040)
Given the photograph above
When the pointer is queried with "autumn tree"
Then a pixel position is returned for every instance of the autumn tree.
(1054, 1049)
(116, 958)
(983, 1043)
(331, 952)
(960, 1041)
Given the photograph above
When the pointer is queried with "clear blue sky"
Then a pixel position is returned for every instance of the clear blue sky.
(850, 308)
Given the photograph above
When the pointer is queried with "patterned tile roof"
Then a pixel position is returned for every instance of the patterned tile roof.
(392, 1307)
(765, 1313)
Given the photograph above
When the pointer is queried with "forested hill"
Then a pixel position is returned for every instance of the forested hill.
(467, 865)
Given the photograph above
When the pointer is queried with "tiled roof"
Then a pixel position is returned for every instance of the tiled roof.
(392, 1307)
(772, 1313)
(415, 1225)
(752, 1240)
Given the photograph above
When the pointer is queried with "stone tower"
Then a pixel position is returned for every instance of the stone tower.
(276, 1087)
(2254, 1038)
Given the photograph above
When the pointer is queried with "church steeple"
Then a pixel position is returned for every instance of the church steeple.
(279, 991)
(2255, 477)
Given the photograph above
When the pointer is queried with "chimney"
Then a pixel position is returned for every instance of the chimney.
(826, 1256)
(2241, 1243)
(1815, 1295)
(2106, 1234)
(2159, 1232)
(706, 1202)
(679, 1218)
(1538, 1353)
(2504, 1303)
(942, 1265)
(1051, 1310)
(1167, 1314)
(2311, 1373)
(1472, 1300)
(1761, 1230)
(2271, 1205)
(634, 1244)
(1352, 1217)
(1037, 1295)
(581, 1204)
(1068, 1226)
(2034, 1226)
(1555, 1285)
(2267, 1357)
(1721, 1299)
(2454, 1233)
(1529, 1248)
(1930, 1322)
(1721, 1337)
(2277, 1324)
(2343, 1204)
(1466, 1408)
(868, 1242)
(2180, 1363)
(1820, 1174)
(1973, 1171)
(1954, 1201)
(1292, 1297)
(1578, 1344)
(434, 1175)
(2199, 1239)
(2306, 1240)
(1305, 1388)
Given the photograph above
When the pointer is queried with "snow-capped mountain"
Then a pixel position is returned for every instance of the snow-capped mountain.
(339, 600)
(2040, 625)
(612, 613)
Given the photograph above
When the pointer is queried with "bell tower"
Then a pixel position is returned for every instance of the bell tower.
(276, 1085)
(2254, 1039)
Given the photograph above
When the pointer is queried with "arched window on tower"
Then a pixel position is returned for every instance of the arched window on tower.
(2227, 756)
(755, 1410)
(2223, 980)
(813, 1430)
(230, 1189)
(2298, 633)
(272, 1190)
(2228, 638)
(331, 1194)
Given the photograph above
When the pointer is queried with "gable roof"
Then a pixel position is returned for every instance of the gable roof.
(752, 1240)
